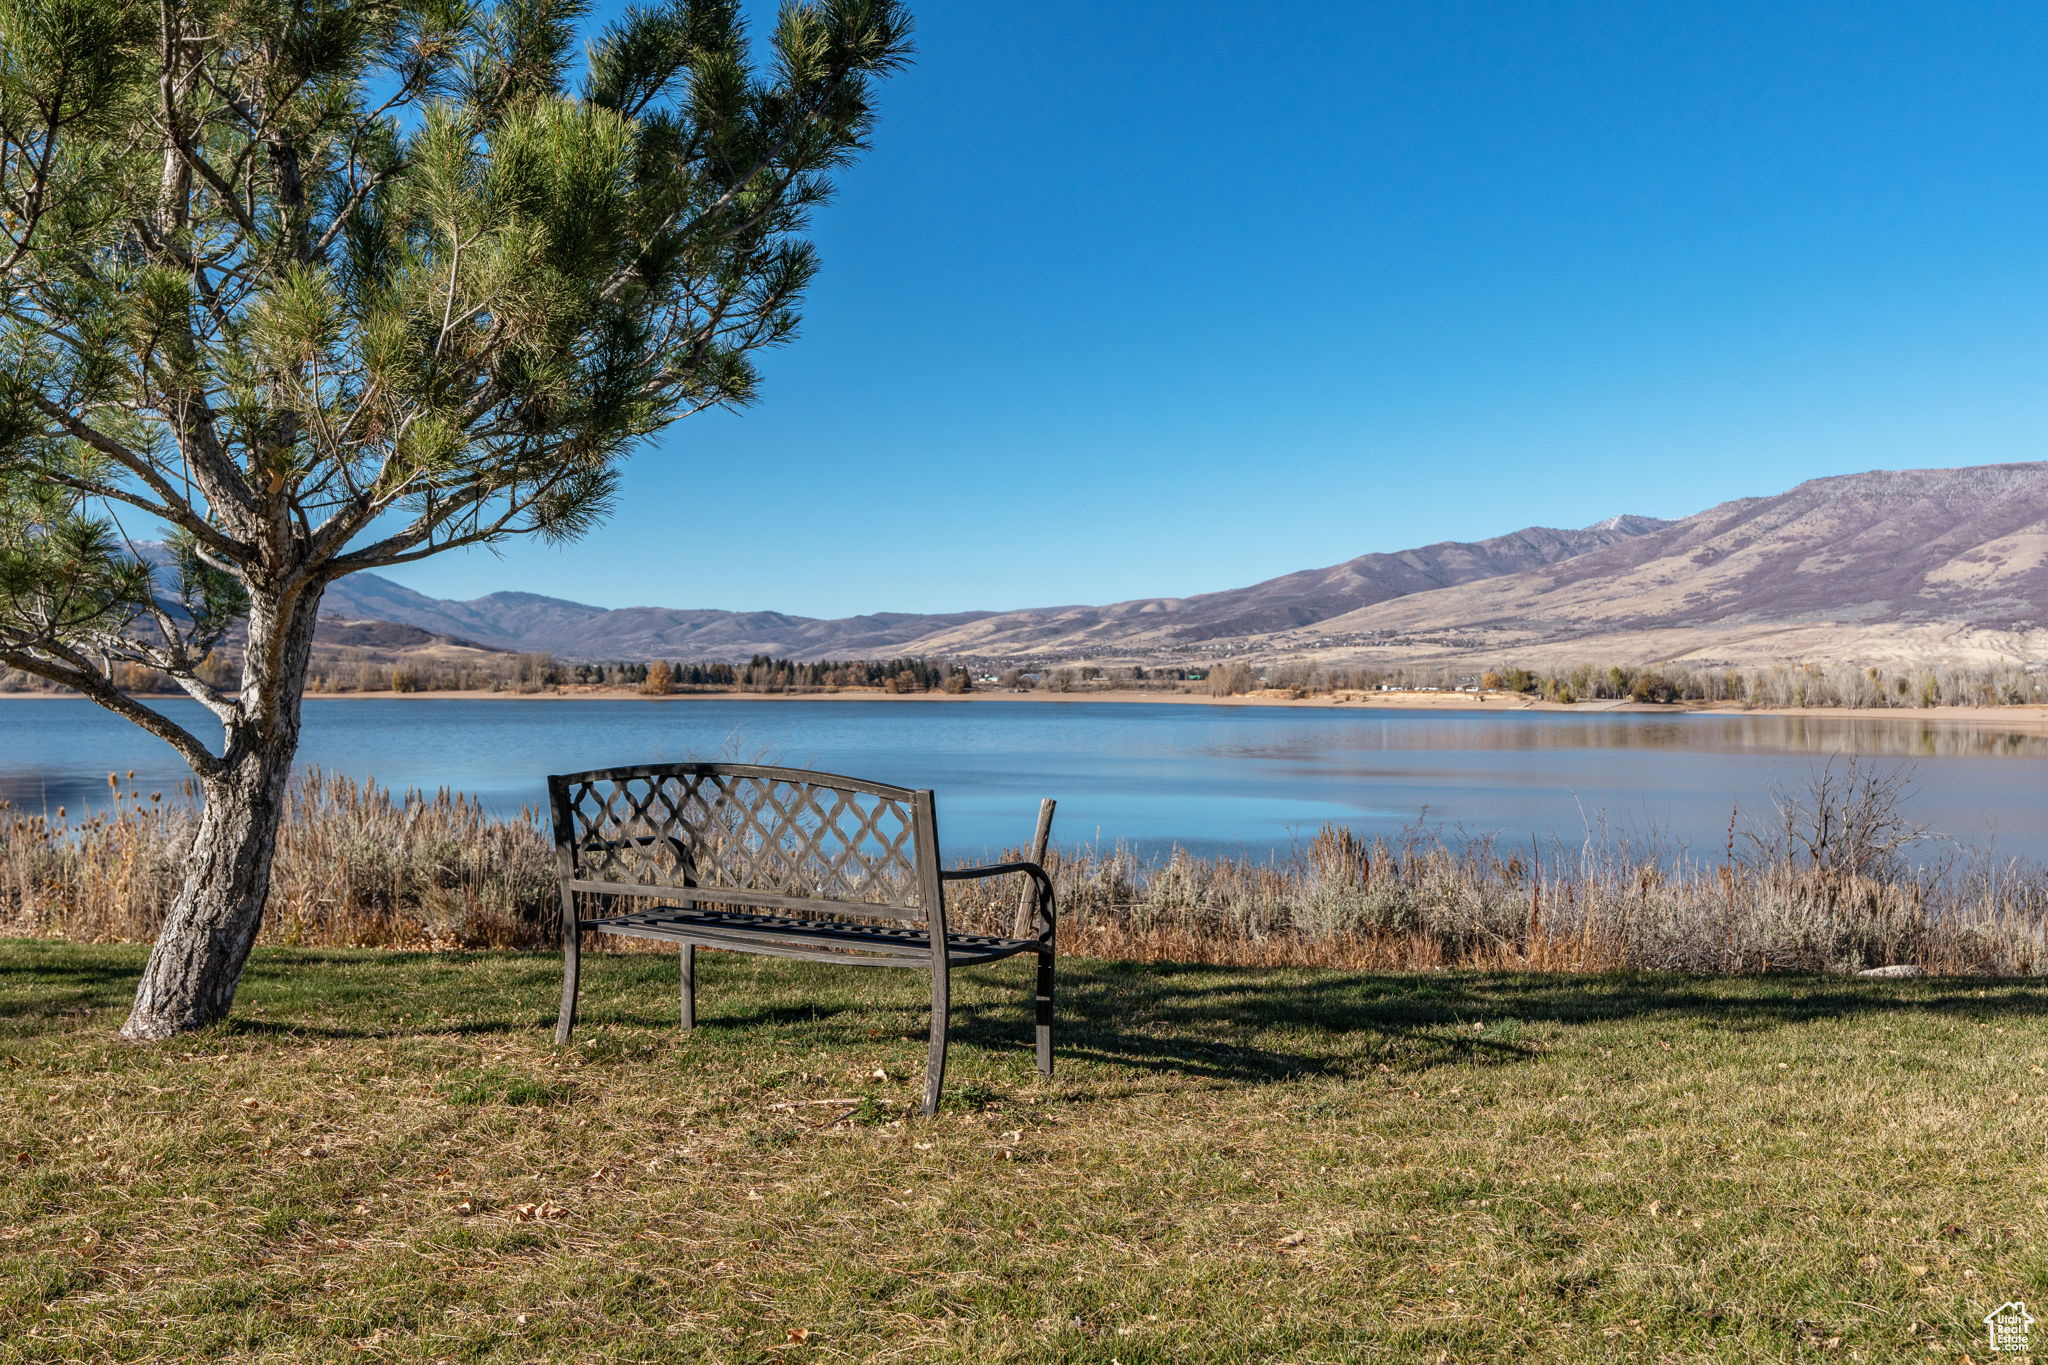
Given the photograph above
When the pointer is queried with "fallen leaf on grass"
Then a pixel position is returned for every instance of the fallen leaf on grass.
(1292, 1239)
(546, 1208)
(799, 1334)
(466, 1208)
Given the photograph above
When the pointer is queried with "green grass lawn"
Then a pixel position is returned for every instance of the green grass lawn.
(385, 1158)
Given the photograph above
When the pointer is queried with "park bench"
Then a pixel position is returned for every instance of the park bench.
(784, 862)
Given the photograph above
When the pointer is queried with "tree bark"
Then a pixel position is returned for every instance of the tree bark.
(197, 963)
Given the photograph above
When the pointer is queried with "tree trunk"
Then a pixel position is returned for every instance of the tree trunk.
(197, 963)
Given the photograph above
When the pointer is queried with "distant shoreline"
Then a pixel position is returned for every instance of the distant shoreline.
(2026, 717)
(1434, 701)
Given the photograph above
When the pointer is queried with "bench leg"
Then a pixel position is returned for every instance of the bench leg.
(689, 975)
(1045, 1011)
(935, 1064)
(572, 954)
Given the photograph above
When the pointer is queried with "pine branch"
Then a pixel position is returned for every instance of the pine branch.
(70, 669)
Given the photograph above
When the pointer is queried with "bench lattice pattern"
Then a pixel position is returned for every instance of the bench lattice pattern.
(711, 830)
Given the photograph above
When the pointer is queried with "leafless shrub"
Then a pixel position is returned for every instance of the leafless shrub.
(1848, 823)
(1231, 680)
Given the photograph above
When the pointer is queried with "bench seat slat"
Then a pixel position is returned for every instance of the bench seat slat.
(728, 895)
(775, 935)
(771, 947)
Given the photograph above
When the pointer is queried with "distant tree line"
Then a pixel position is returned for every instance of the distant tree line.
(1805, 685)
(1782, 686)
(659, 677)
(1775, 686)
(353, 670)
(765, 673)
(1778, 686)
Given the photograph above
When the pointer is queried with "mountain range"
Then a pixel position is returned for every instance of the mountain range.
(530, 622)
(1930, 565)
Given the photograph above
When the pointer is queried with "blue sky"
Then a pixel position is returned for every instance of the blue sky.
(1155, 297)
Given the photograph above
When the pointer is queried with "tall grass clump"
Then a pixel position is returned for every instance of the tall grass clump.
(1823, 883)
(1418, 903)
(356, 865)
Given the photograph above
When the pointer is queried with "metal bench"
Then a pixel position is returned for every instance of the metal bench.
(783, 862)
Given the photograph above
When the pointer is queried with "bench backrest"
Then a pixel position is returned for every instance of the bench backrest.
(756, 837)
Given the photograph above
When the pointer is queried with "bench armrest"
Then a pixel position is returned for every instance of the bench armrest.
(1041, 882)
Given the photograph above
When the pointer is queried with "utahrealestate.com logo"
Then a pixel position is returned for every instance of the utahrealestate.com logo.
(2008, 1324)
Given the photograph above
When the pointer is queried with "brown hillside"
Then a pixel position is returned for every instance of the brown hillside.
(1889, 564)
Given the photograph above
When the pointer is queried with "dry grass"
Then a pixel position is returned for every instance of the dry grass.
(385, 1159)
(358, 866)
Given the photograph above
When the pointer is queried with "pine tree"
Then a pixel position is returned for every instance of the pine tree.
(334, 285)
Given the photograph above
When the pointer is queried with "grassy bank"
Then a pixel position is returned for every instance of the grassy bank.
(384, 1158)
(1826, 887)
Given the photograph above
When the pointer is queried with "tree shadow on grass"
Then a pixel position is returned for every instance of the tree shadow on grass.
(1223, 1023)
(56, 983)
(1328, 1023)
(1251, 1025)
(241, 1025)
(49, 987)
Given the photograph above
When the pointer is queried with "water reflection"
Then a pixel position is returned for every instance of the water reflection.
(1910, 736)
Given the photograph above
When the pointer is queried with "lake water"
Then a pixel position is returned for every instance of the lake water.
(1212, 779)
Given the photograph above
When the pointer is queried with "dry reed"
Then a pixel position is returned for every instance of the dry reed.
(359, 865)
(356, 865)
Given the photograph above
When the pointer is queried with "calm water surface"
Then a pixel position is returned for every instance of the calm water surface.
(1214, 779)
